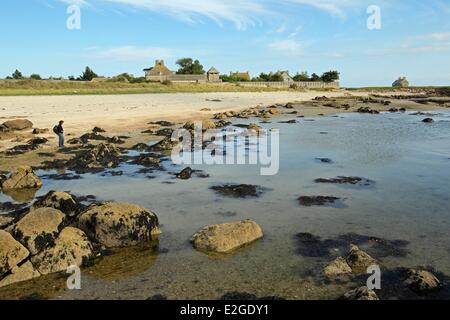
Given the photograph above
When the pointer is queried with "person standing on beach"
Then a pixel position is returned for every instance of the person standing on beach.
(59, 130)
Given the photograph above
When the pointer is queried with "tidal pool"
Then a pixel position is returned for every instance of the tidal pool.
(408, 161)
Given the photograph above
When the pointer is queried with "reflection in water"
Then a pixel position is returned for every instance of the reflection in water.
(125, 263)
(22, 196)
(42, 288)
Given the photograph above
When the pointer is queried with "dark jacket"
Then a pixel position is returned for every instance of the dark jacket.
(60, 129)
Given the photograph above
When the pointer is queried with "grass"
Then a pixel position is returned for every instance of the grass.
(399, 89)
(35, 87)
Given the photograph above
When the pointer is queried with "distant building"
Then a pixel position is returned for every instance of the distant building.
(286, 76)
(401, 83)
(244, 76)
(158, 73)
(213, 75)
(161, 73)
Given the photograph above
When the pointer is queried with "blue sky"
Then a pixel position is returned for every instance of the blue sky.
(256, 35)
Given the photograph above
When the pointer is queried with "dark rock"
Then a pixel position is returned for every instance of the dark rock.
(185, 174)
(142, 147)
(162, 123)
(324, 160)
(147, 160)
(357, 181)
(427, 120)
(367, 110)
(62, 177)
(6, 207)
(309, 201)
(98, 130)
(377, 247)
(166, 144)
(238, 190)
(40, 131)
(289, 106)
(289, 121)
(37, 141)
(313, 246)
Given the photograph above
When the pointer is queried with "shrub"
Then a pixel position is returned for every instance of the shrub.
(35, 76)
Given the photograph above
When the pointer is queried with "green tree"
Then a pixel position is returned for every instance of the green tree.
(315, 77)
(330, 76)
(17, 75)
(276, 77)
(35, 76)
(188, 66)
(302, 77)
(88, 75)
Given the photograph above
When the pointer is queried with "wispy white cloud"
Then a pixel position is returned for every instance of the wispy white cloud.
(290, 47)
(80, 3)
(128, 53)
(432, 42)
(242, 13)
(334, 7)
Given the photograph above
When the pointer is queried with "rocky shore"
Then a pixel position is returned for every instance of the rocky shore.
(46, 235)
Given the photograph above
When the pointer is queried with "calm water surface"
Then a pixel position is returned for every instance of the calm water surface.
(408, 160)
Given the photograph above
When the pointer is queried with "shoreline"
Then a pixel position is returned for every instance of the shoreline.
(175, 110)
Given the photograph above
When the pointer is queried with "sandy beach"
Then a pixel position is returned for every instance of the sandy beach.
(122, 113)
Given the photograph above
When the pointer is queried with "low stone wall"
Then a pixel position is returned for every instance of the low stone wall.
(300, 84)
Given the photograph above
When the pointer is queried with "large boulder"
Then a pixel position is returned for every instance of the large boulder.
(362, 293)
(12, 253)
(39, 229)
(359, 260)
(227, 237)
(72, 247)
(18, 274)
(22, 178)
(62, 201)
(16, 125)
(337, 267)
(422, 281)
(115, 224)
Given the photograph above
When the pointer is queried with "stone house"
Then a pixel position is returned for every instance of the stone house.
(286, 77)
(401, 83)
(160, 73)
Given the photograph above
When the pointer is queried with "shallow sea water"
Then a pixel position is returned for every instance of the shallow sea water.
(408, 160)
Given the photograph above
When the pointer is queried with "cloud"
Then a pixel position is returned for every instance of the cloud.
(81, 3)
(290, 47)
(334, 7)
(440, 36)
(242, 13)
(432, 42)
(129, 53)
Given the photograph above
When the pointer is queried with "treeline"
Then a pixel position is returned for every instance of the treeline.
(191, 66)
(328, 77)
